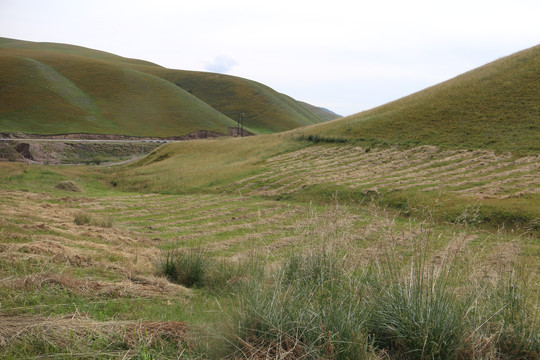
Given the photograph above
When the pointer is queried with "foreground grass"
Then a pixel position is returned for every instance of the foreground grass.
(279, 277)
(316, 308)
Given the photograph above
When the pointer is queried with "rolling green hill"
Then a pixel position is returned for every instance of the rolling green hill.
(496, 106)
(55, 88)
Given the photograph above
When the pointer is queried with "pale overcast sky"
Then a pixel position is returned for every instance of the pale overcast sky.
(347, 56)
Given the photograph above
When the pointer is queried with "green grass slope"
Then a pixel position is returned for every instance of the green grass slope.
(51, 88)
(49, 93)
(494, 107)
(266, 110)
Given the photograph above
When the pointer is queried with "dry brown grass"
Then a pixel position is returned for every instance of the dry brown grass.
(132, 286)
(62, 332)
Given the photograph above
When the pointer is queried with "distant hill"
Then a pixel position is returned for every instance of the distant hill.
(496, 106)
(49, 88)
(266, 110)
(322, 112)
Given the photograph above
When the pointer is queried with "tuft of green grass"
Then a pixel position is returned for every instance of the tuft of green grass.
(419, 316)
(187, 267)
(311, 311)
(196, 268)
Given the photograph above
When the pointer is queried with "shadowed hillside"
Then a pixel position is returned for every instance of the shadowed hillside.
(496, 106)
(56, 88)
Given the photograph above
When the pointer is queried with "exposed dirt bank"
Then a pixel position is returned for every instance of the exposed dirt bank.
(199, 134)
(71, 152)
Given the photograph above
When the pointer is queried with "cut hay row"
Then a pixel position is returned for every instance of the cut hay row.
(472, 173)
(77, 331)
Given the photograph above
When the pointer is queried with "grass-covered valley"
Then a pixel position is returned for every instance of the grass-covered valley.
(410, 231)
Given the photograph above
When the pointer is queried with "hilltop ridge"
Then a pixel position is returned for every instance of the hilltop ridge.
(496, 107)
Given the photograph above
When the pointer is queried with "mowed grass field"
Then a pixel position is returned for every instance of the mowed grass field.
(84, 273)
(298, 245)
(495, 190)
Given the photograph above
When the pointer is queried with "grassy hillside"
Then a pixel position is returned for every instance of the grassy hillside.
(55, 88)
(494, 180)
(48, 93)
(496, 106)
(265, 109)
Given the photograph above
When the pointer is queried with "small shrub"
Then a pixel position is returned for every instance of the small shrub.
(189, 268)
(69, 185)
(316, 139)
(82, 218)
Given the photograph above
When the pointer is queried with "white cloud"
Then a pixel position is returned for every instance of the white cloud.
(220, 64)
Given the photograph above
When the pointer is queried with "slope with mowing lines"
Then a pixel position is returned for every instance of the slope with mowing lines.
(504, 188)
(476, 173)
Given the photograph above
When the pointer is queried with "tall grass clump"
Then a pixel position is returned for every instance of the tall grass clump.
(420, 315)
(515, 318)
(319, 306)
(188, 267)
(197, 268)
(312, 310)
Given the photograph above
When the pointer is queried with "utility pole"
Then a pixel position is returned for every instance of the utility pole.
(239, 122)
(242, 123)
